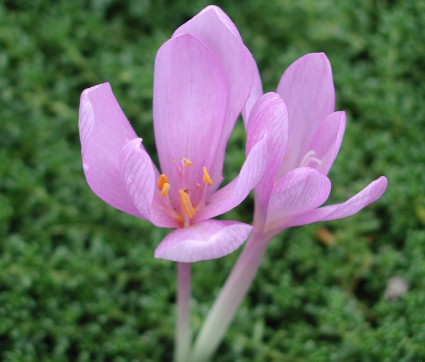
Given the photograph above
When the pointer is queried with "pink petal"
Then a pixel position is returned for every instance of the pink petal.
(327, 141)
(210, 239)
(269, 118)
(190, 93)
(296, 192)
(138, 174)
(104, 130)
(256, 93)
(220, 35)
(237, 190)
(350, 207)
(308, 91)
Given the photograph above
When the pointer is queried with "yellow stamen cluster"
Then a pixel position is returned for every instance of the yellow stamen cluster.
(187, 204)
(188, 208)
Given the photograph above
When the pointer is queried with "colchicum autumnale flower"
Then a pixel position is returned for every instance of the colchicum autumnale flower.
(295, 183)
(306, 134)
(202, 79)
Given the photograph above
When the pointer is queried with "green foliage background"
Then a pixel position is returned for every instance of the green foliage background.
(78, 281)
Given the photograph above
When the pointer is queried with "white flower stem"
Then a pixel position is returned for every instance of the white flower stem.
(183, 333)
(230, 297)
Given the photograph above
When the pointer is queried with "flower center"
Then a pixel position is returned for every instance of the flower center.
(185, 211)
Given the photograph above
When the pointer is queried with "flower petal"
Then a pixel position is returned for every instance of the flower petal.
(210, 239)
(256, 93)
(220, 35)
(268, 117)
(327, 141)
(308, 91)
(189, 102)
(369, 194)
(138, 175)
(296, 192)
(104, 130)
(237, 190)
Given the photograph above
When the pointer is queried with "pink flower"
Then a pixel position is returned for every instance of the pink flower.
(203, 77)
(306, 136)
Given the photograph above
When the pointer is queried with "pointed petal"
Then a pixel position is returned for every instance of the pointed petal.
(369, 194)
(220, 35)
(256, 93)
(327, 141)
(104, 130)
(138, 175)
(296, 192)
(189, 103)
(237, 190)
(210, 239)
(308, 91)
(268, 117)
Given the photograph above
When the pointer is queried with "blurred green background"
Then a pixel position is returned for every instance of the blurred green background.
(78, 280)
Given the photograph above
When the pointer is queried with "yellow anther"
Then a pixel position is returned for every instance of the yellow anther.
(186, 162)
(187, 204)
(162, 180)
(207, 178)
(165, 189)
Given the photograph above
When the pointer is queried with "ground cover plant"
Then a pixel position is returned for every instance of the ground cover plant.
(78, 280)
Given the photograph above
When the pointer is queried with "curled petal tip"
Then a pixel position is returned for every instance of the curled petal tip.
(87, 117)
(383, 182)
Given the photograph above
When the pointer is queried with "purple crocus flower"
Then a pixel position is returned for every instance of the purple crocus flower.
(295, 184)
(203, 77)
(305, 135)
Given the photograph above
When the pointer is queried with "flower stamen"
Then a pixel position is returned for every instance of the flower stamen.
(207, 178)
(186, 162)
(187, 204)
(165, 189)
(162, 180)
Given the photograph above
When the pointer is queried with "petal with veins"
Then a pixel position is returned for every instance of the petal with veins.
(220, 35)
(296, 192)
(268, 117)
(138, 175)
(237, 190)
(190, 93)
(210, 239)
(308, 91)
(369, 194)
(104, 129)
(256, 93)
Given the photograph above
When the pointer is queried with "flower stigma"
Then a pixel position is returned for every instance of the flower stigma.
(309, 157)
